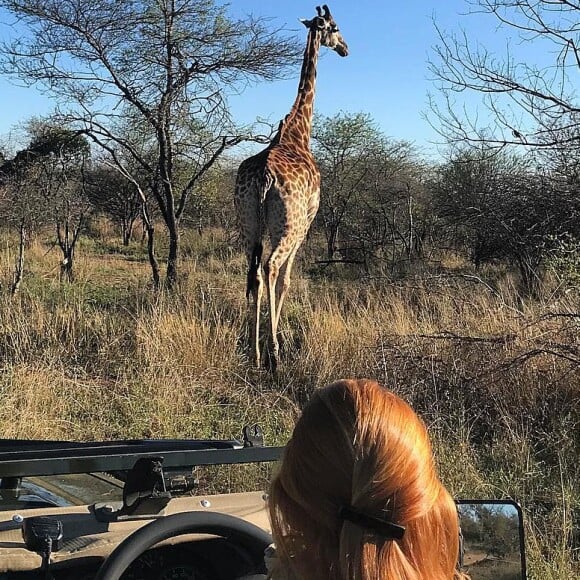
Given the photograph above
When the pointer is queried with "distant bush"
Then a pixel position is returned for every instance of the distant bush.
(564, 261)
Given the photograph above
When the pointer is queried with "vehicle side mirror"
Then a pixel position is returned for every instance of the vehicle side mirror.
(493, 539)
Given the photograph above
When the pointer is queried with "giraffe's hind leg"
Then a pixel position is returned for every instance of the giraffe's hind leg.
(277, 272)
(247, 200)
(256, 289)
(283, 282)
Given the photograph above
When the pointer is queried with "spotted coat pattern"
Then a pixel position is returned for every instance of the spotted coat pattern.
(278, 191)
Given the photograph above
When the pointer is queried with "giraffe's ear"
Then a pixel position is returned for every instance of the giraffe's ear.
(316, 22)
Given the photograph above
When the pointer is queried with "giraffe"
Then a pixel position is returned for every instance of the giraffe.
(278, 191)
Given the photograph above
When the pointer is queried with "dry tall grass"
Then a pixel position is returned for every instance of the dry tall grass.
(496, 378)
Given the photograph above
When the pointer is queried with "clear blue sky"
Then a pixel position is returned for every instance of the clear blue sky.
(385, 74)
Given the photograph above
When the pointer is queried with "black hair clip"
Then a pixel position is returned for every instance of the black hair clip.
(376, 523)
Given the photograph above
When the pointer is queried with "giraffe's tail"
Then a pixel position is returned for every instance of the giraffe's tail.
(252, 282)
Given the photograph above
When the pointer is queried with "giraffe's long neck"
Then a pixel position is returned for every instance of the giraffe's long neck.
(297, 126)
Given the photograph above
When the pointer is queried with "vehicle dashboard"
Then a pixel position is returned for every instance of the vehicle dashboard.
(209, 559)
(88, 541)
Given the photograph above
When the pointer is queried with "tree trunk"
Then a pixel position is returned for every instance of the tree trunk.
(127, 231)
(332, 241)
(66, 266)
(172, 256)
(67, 240)
(144, 230)
(149, 231)
(19, 270)
(152, 259)
(169, 211)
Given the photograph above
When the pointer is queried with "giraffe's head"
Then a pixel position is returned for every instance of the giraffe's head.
(330, 34)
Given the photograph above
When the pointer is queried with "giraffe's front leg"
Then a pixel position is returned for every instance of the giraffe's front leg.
(283, 283)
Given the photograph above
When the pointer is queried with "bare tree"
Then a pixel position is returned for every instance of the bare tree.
(115, 196)
(211, 204)
(504, 207)
(61, 162)
(341, 145)
(368, 194)
(525, 103)
(43, 182)
(163, 63)
(22, 208)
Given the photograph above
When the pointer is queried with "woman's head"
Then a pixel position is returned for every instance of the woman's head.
(359, 445)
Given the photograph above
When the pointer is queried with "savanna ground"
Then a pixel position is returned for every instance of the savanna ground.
(496, 377)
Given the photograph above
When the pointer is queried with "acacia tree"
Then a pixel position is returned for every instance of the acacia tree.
(42, 182)
(21, 207)
(210, 205)
(117, 197)
(341, 145)
(526, 103)
(369, 184)
(125, 162)
(61, 162)
(165, 63)
(502, 207)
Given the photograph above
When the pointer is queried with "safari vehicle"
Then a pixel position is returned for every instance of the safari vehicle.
(147, 509)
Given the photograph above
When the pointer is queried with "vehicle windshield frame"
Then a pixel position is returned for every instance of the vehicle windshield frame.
(22, 458)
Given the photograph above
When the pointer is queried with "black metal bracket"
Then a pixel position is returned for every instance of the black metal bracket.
(145, 485)
(144, 494)
(253, 436)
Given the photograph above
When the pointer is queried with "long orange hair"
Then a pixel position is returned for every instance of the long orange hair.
(358, 444)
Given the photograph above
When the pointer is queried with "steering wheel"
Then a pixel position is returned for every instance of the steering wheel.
(242, 533)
